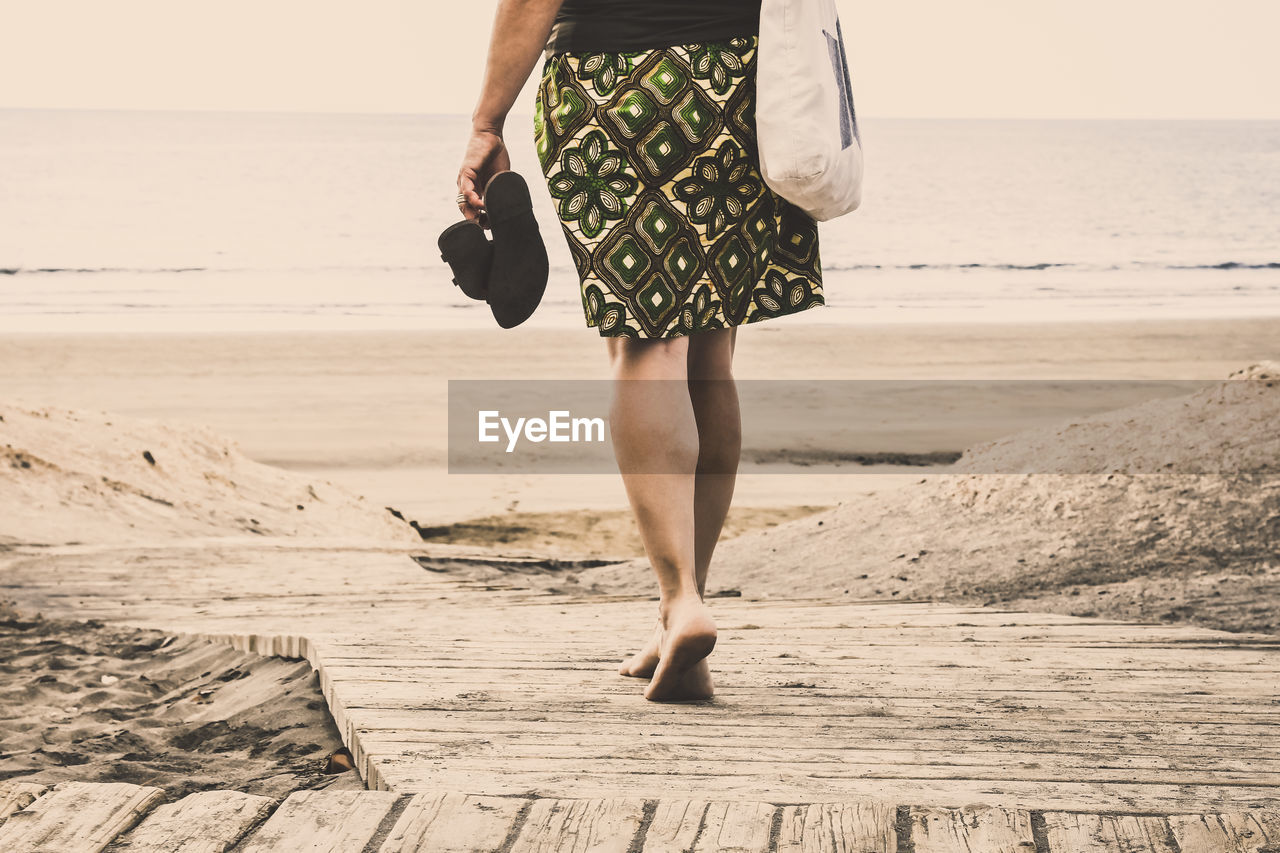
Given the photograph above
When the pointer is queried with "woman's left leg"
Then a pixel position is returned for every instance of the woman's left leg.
(715, 406)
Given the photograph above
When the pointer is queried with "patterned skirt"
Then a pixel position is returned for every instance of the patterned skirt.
(651, 159)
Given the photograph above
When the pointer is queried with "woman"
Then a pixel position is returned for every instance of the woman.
(644, 127)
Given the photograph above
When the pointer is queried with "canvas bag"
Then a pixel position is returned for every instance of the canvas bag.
(806, 128)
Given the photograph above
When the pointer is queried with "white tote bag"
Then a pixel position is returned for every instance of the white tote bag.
(806, 129)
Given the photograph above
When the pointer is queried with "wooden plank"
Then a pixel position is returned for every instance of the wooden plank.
(1087, 833)
(832, 676)
(1232, 832)
(509, 683)
(824, 752)
(534, 621)
(694, 826)
(529, 616)
(872, 729)
(16, 795)
(958, 747)
(724, 712)
(77, 817)
(453, 823)
(975, 828)
(1124, 748)
(1226, 692)
(1136, 652)
(1114, 651)
(870, 732)
(204, 822)
(857, 767)
(606, 692)
(412, 777)
(322, 822)
(676, 825)
(856, 827)
(736, 827)
(579, 826)
(462, 660)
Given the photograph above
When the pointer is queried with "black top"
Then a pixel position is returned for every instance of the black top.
(617, 25)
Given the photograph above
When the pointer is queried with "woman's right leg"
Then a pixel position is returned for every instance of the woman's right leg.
(715, 405)
(655, 440)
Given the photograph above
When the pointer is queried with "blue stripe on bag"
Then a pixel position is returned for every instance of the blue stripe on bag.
(840, 68)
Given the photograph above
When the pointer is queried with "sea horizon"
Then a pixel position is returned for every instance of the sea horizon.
(144, 220)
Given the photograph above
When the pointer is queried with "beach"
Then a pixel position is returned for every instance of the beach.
(367, 410)
(238, 531)
(295, 552)
(367, 413)
(953, 638)
(265, 491)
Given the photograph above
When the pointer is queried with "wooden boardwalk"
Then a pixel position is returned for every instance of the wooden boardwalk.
(80, 817)
(833, 723)
(920, 704)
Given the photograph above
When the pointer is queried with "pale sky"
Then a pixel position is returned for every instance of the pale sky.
(908, 58)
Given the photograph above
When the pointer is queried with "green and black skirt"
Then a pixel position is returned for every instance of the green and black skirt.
(650, 157)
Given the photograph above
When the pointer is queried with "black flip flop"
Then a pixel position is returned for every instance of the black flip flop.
(469, 253)
(518, 274)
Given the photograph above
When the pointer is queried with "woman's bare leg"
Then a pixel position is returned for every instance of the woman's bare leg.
(715, 405)
(655, 439)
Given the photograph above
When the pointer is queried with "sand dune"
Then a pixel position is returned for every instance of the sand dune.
(96, 478)
(1231, 427)
(1199, 542)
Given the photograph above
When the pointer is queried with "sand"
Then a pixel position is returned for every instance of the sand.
(366, 410)
(1168, 510)
(587, 534)
(90, 702)
(68, 476)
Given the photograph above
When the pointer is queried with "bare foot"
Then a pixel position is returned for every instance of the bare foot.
(694, 684)
(644, 662)
(688, 637)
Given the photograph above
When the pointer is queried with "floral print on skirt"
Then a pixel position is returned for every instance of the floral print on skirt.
(650, 157)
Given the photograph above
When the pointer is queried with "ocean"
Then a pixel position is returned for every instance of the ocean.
(173, 221)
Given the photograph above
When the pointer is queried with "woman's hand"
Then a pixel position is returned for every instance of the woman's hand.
(519, 37)
(485, 156)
